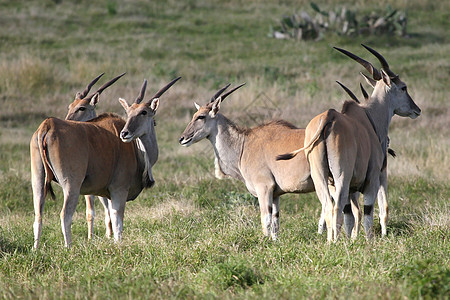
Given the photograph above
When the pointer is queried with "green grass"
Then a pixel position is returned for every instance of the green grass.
(193, 236)
(217, 250)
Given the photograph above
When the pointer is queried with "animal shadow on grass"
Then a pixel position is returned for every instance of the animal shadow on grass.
(11, 247)
(398, 228)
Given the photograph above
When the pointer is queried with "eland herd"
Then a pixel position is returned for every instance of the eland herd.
(339, 155)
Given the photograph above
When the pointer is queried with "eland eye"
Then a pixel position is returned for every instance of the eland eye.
(144, 112)
(200, 117)
(82, 108)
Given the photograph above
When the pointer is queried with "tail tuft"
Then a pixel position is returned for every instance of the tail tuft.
(392, 152)
(286, 156)
(49, 189)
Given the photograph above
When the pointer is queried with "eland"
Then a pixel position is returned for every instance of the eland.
(349, 221)
(83, 109)
(248, 154)
(106, 156)
(347, 150)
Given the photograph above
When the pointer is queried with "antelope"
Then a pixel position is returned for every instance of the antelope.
(349, 221)
(107, 157)
(83, 109)
(348, 149)
(248, 154)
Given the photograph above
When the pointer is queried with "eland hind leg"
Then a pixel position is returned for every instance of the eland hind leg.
(352, 216)
(349, 219)
(382, 202)
(38, 187)
(341, 163)
(265, 199)
(275, 218)
(319, 175)
(71, 195)
(322, 223)
(370, 194)
(341, 198)
(356, 213)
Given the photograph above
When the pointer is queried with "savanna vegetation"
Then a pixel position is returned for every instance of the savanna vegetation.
(191, 235)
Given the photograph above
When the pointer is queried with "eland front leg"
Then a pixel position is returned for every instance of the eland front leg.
(108, 223)
(116, 212)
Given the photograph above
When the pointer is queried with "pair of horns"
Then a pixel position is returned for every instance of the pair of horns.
(369, 67)
(351, 94)
(158, 94)
(100, 90)
(219, 93)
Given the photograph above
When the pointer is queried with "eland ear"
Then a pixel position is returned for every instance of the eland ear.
(154, 104)
(215, 107)
(386, 78)
(95, 99)
(124, 103)
(196, 105)
(370, 81)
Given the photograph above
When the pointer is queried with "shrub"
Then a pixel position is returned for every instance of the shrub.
(341, 21)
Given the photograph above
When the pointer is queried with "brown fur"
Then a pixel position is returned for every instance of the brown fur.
(85, 158)
(352, 149)
(248, 154)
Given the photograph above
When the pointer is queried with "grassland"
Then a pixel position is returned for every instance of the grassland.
(193, 236)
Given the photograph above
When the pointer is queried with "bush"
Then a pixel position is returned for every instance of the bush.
(341, 21)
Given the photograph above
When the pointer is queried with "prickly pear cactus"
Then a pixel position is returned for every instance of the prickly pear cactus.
(341, 21)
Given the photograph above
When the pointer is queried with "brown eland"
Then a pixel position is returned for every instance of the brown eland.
(349, 220)
(248, 154)
(83, 109)
(106, 156)
(348, 149)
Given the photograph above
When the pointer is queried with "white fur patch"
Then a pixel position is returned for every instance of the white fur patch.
(146, 173)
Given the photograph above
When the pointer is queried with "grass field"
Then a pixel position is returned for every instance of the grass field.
(194, 236)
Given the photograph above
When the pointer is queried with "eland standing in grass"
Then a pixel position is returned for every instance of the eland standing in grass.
(349, 219)
(83, 109)
(107, 157)
(248, 154)
(348, 149)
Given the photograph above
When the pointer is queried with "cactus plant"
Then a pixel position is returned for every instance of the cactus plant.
(342, 21)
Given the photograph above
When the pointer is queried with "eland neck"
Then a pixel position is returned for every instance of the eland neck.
(147, 156)
(228, 142)
(378, 109)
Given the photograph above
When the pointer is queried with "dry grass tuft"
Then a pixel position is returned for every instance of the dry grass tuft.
(29, 76)
(163, 210)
